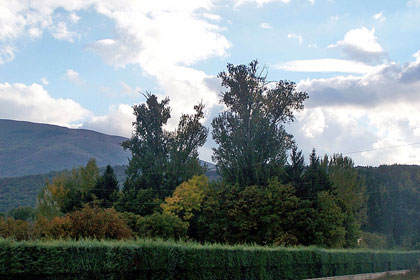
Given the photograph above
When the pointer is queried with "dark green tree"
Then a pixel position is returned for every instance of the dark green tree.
(250, 133)
(148, 144)
(295, 168)
(315, 179)
(106, 188)
(161, 160)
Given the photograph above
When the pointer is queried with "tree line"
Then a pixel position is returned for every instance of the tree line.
(267, 193)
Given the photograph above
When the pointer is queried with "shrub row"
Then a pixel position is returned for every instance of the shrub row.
(146, 259)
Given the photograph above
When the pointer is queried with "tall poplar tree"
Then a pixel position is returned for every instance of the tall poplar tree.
(161, 159)
(250, 132)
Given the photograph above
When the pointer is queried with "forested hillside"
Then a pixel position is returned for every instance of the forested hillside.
(31, 148)
(393, 203)
(22, 191)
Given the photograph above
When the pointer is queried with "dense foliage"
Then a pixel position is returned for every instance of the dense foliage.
(161, 160)
(22, 191)
(146, 259)
(394, 203)
(252, 142)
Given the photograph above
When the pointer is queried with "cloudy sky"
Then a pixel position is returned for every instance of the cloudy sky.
(82, 63)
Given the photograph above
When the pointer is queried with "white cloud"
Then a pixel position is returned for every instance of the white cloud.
(30, 18)
(379, 17)
(7, 54)
(413, 3)
(312, 2)
(166, 40)
(44, 81)
(60, 32)
(265, 25)
(294, 36)
(117, 122)
(361, 44)
(33, 103)
(326, 65)
(73, 77)
(35, 32)
(259, 3)
(373, 111)
(74, 17)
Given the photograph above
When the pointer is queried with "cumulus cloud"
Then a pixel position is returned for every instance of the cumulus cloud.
(60, 32)
(33, 103)
(7, 54)
(361, 44)
(30, 18)
(379, 17)
(294, 36)
(74, 17)
(44, 81)
(325, 65)
(73, 77)
(166, 40)
(373, 111)
(117, 122)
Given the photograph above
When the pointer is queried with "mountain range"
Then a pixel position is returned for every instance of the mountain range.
(32, 153)
(31, 148)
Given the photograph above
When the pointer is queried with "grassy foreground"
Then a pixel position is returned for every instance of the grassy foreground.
(154, 259)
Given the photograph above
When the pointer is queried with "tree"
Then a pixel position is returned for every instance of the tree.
(67, 192)
(250, 133)
(187, 198)
(161, 160)
(329, 229)
(296, 168)
(106, 188)
(348, 185)
(351, 189)
(315, 179)
(255, 214)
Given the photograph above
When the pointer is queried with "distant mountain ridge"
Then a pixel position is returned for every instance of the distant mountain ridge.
(32, 148)
(33, 153)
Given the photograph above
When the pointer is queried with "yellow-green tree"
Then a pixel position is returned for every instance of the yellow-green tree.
(187, 198)
(51, 198)
(67, 192)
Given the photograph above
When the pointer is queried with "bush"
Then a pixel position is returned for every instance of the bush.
(57, 228)
(15, 229)
(161, 226)
(373, 240)
(94, 222)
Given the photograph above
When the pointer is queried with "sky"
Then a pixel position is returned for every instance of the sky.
(83, 64)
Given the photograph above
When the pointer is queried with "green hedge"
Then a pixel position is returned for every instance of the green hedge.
(145, 259)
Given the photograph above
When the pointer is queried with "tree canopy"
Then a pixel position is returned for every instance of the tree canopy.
(251, 138)
(162, 159)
